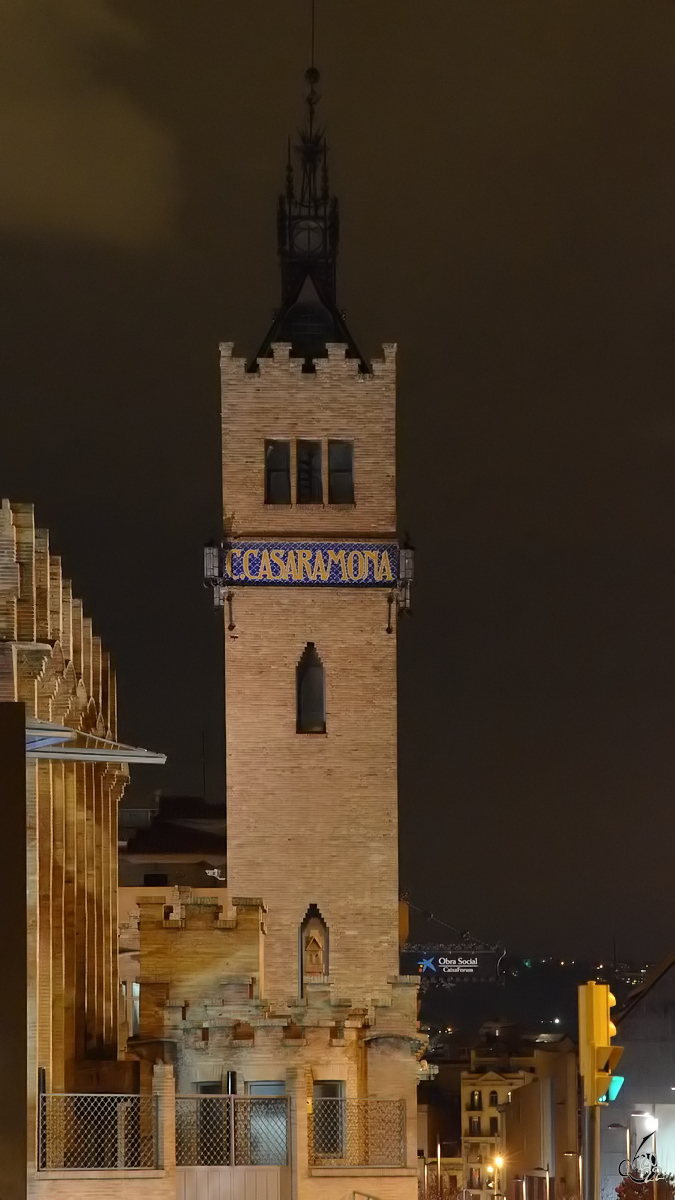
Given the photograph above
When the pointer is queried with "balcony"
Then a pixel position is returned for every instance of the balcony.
(79, 1132)
(231, 1131)
(357, 1133)
(240, 1144)
(478, 1150)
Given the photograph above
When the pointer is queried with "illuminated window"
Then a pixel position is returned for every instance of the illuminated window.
(476, 1101)
(311, 692)
(135, 1009)
(340, 472)
(277, 472)
(309, 489)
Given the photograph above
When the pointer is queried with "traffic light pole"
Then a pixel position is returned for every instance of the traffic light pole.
(597, 1060)
(591, 1153)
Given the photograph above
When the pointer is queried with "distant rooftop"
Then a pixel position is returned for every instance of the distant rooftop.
(169, 825)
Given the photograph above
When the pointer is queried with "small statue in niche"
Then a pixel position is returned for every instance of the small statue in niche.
(314, 949)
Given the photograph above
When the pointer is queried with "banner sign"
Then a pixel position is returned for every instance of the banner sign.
(451, 965)
(319, 564)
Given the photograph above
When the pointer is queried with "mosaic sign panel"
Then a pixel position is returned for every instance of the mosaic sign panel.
(313, 564)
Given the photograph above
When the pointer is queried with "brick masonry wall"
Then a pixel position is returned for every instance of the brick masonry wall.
(51, 661)
(282, 401)
(312, 819)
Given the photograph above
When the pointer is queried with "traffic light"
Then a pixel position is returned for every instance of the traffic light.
(597, 1056)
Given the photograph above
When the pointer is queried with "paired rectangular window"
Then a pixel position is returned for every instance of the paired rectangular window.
(340, 472)
(277, 472)
(309, 471)
(309, 489)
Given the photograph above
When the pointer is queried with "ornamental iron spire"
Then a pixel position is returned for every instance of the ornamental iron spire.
(307, 217)
(308, 231)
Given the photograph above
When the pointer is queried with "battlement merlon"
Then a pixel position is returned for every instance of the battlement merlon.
(234, 367)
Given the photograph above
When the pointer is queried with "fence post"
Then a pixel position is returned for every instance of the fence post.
(164, 1094)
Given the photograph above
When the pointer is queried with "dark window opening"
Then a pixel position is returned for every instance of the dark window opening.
(277, 472)
(212, 1125)
(309, 486)
(311, 692)
(474, 1126)
(329, 1124)
(494, 1126)
(153, 879)
(494, 1099)
(340, 473)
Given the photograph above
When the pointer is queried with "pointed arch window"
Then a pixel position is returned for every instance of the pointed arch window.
(310, 692)
(313, 947)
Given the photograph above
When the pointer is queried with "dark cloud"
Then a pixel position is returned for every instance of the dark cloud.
(506, 173)
(77, 156)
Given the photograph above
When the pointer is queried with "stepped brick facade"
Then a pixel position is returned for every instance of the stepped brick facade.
(51, 660)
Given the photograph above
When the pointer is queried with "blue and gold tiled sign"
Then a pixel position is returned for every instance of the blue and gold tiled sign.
(327, 564)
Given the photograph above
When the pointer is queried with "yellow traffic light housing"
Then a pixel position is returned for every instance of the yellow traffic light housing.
(597, 1056)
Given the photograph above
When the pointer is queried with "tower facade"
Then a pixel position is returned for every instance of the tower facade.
(280, 996)
(310, 573)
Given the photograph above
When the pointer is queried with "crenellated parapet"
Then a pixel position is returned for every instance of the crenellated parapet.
(201, 976)
(282, 365)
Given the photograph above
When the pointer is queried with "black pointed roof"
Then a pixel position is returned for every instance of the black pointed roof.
(308, 230)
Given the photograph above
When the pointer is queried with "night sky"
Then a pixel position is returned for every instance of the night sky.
(506, 170)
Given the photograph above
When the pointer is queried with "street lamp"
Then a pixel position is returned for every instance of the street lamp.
(499, 1163)
(545, 1170)
(572, 1154)
(626, 1128)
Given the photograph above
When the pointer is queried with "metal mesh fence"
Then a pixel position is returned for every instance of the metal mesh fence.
(224, 1131)
(81, 1132)
(357, 1133)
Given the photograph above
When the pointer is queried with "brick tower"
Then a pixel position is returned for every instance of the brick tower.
(310, 575)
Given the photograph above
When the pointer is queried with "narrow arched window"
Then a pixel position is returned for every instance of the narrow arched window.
(311, 692)
(313, 947)
(494, 1100)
